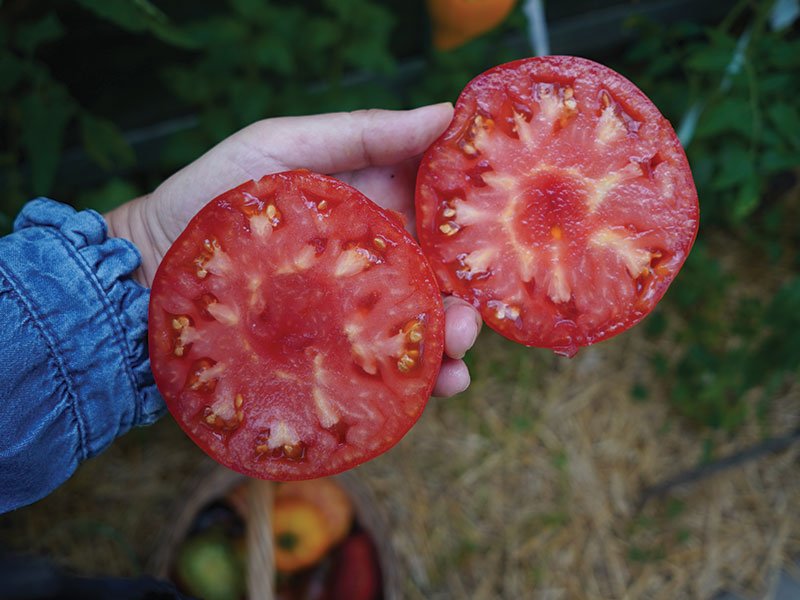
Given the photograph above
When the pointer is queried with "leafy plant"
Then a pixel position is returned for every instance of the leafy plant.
(261, 58)
(733, 91)
(38, 110)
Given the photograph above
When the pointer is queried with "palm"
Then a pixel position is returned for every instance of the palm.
(377, 152)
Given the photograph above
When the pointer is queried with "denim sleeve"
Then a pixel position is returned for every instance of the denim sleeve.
(74, 367)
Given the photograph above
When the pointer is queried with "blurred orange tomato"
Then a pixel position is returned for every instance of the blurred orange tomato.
(455, 22)
(301, 534)
(331, 500)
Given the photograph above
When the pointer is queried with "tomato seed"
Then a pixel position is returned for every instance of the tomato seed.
(406, 363)
(203, 375)
(449, 228)
(180, 322)
(468, 149)
(294, 451)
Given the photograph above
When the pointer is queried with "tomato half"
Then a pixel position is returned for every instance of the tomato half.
(296, 329)
(559, 202)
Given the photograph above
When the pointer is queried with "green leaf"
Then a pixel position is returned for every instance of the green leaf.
(217, 31)
(218, 123)
(714, 57)
(190, 84)
(747, 200)
(272, 53)
(249, 102)
(730, 115)
(183, 147)
(254, 10)
(786, 120)
(108, 196)
(12, 71)
(29, 36)
(139, 16)
(104, 143)
(322, 33)
(45, 114)
(774, 161)
(736, 166)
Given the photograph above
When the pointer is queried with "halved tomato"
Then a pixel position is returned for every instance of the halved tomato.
(296, 329)
(559, 202)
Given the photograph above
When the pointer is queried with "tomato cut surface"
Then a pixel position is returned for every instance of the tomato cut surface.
(559, 202)
(296, 329)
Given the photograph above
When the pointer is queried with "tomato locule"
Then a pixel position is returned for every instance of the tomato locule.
(559, 202)
(295, 328)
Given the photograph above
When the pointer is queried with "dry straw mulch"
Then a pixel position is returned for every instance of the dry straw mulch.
(525, 487)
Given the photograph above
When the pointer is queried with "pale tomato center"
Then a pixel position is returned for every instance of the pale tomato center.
(553, 207)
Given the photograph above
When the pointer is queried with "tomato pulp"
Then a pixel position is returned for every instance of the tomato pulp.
(559, 202)
(296, 329)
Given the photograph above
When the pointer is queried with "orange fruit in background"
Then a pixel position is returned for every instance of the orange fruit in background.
(455, 22)
(300, 533)
(331, 500)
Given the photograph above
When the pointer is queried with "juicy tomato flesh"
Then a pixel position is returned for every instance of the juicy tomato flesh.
(559, 202)
(296, 329)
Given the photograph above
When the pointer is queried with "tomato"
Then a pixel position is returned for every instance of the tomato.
(329, 497)
(558, 202)
(300, 535)
(357, 571)
(296, 329)
(456, 22)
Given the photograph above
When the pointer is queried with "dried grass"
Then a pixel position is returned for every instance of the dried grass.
(526, 486)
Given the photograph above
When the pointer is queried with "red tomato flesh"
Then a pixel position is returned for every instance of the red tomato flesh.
(296, 329)
(559, 202)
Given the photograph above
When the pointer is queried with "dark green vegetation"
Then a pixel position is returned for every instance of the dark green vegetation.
(101, 101)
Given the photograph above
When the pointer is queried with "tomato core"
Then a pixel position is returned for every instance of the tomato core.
(553, 208)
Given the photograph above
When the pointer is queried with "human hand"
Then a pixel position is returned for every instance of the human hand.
(376, 151)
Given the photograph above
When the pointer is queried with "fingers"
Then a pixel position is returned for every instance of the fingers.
(349, 141)
(453, 378)
(462, 323)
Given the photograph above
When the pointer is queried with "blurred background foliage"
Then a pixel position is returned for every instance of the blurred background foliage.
(102, 100)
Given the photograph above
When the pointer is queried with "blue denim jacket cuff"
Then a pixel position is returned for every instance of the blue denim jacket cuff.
(105, 343)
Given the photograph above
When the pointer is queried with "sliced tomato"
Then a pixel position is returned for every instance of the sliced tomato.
(559, 202)
(296, 329)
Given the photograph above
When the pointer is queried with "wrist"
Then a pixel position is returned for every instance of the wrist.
(127, 222)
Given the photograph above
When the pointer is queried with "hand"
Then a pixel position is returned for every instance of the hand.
(376, 151)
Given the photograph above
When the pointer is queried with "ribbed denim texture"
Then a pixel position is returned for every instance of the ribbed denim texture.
(74, 367)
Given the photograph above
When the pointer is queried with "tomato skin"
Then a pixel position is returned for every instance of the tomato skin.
(296, 329)
(535, 181)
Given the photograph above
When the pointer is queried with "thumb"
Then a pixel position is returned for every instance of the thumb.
(337, 142)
